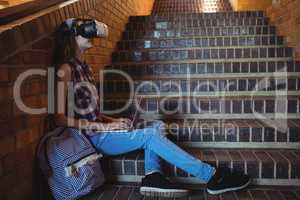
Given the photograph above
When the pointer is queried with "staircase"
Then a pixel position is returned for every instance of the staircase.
(224, 82)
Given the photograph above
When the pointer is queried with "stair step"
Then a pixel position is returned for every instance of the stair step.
(203, 31)
(232, 134)
(255, 133)
(198, 23)
(224, 69)
(203, 54)
(200, 42)
(205, 62)
(212, 107)
(271, 166)
(199, 19)
(226, 116)
(219, 15)
(267, 86)
(198, 6)
(130, 191)
(267, 81)
(122, 93)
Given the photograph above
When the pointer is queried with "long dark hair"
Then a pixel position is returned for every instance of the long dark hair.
(64, 47)
(64, 50)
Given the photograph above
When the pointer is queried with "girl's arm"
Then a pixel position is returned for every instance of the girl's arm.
(62, 120)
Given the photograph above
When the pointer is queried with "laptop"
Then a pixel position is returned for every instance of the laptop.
(134, 119)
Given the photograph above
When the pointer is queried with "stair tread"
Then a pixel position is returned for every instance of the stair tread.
(202, 32)
(125, 39)
(194, 18)
(289, 64)
(130, 191)
(212, 94)
(226, 27)
(257, 13)
(191, 61)
(187, 43)
(201, 48)
(258, 163)
(131, 26)
(209, 154)
(196, 37)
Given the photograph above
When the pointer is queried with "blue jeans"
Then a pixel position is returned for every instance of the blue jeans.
(156, 146)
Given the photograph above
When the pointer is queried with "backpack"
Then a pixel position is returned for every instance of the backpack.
(69, 163)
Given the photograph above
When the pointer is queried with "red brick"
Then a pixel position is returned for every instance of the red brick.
(33, 102)
(14, 73)
(74, 10)
(24, 170)
(6, 111)
(9, 163)
(286, 17)
(7, 42)
(47, 23)
(78, 8)
(9, 127)
(1, 169)
(3, 74)
(34, 87)
(7, 145)
(44, 44)
(58, 18)
(66, 13)
(71, 11)
(85, 6)
(7, 182)
(29, 31)
(14, 60)
(26, 137)
(35, 119)
(52, 19)
(25, 154)
(97, 59)
(18, 37)
(297, 54)
(21, 191)
(36, 57)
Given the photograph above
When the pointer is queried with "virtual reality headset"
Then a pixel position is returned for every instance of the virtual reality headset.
(88, 28)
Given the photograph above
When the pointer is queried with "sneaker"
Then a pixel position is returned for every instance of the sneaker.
(156, 185)
(225, 181)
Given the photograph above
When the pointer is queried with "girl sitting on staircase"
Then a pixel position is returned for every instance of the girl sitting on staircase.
(73, 38)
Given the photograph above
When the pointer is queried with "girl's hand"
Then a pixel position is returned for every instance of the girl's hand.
(124, 120)
(117, 126)
(112, 126)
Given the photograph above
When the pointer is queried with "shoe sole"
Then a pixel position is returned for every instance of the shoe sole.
(159, 192)
(228, 189)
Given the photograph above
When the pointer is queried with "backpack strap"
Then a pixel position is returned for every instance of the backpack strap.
(39, 184)
(48, 166)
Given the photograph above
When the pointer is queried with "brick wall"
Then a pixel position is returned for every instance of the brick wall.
(285, 15)
(239, 5)
(27, 44)
(115, 15)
